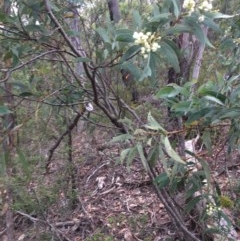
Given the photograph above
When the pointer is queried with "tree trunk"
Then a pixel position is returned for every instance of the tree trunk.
(114, 11)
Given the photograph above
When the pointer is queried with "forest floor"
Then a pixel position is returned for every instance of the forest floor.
(118, 203)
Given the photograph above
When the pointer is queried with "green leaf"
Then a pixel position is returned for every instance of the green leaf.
(167, 92)
(178, 28)
(53, 6)
(34, 28)
(217, 15)
(142, 156)
(153, 155)
(132, 153)
(132, 69)
(124, 154)
(205, 92)
(124, 35)
(121, 138)
(213, 99)
(4, 111)
(126, 121)
(158, 17)
(152, 124)
(192, 204)
(137, 18)
(206, 139)
(162, 180)
(104, 34)
(176, 8)
(26, 94)
(197, 30)
(170, 55)
(132, 51)
(146, 72)
(171, 152)
(206, 169)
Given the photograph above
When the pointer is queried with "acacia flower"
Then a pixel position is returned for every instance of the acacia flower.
(189, 5)
(148, 42)
(206, 5)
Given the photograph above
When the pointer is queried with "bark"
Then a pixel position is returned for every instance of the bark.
(114, 10)
(8, 142)
(198, 61)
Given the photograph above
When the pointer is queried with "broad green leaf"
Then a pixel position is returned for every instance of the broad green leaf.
(162, 180)
(182, 107)
(132, 69)
(213, 99)
(4, 111)
(195, 116)
(176, 8)
(147, 72)
(152, 124)
(171, 152)
(131, 52)
(140, 134)
(121, 138)
(167, 92)
(206, 170)
(26, 94)
(142, 156)
(153, 155)
(217, 15)
(124, 35)
(205, 92)
(159, 17)
(137, 18)
(197, 30)
(178, 28)
(206, 139)
(53, 6)
(163, 159)
(124, 154)
(126, 121)
(104, 34)
(192, 204)
(131, 155)
(34, 28)
(170, 55)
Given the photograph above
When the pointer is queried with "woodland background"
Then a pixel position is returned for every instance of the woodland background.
(94, 129)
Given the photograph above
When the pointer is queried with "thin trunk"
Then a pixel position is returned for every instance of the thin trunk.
(8, 143)
(198, 61)
(114, 10)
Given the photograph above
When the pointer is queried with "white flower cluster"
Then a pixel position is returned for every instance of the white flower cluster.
(206, 5)
(148, 42)
(190, 5)
(211, 209)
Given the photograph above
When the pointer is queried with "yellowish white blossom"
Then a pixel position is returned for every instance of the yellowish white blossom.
(189, 5)
(148, 42)
(206, 5)
(201, 18)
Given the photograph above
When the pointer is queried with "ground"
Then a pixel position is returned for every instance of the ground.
(116, 202)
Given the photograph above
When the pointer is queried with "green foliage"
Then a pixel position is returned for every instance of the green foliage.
(226, 202)
(51, 81)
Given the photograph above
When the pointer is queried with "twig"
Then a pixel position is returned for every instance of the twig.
(95, 171)
(54, 147)
(8, 72)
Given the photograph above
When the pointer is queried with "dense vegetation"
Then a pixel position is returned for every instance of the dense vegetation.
(150, 82)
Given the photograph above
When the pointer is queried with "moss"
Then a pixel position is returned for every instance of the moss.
(226, 202)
